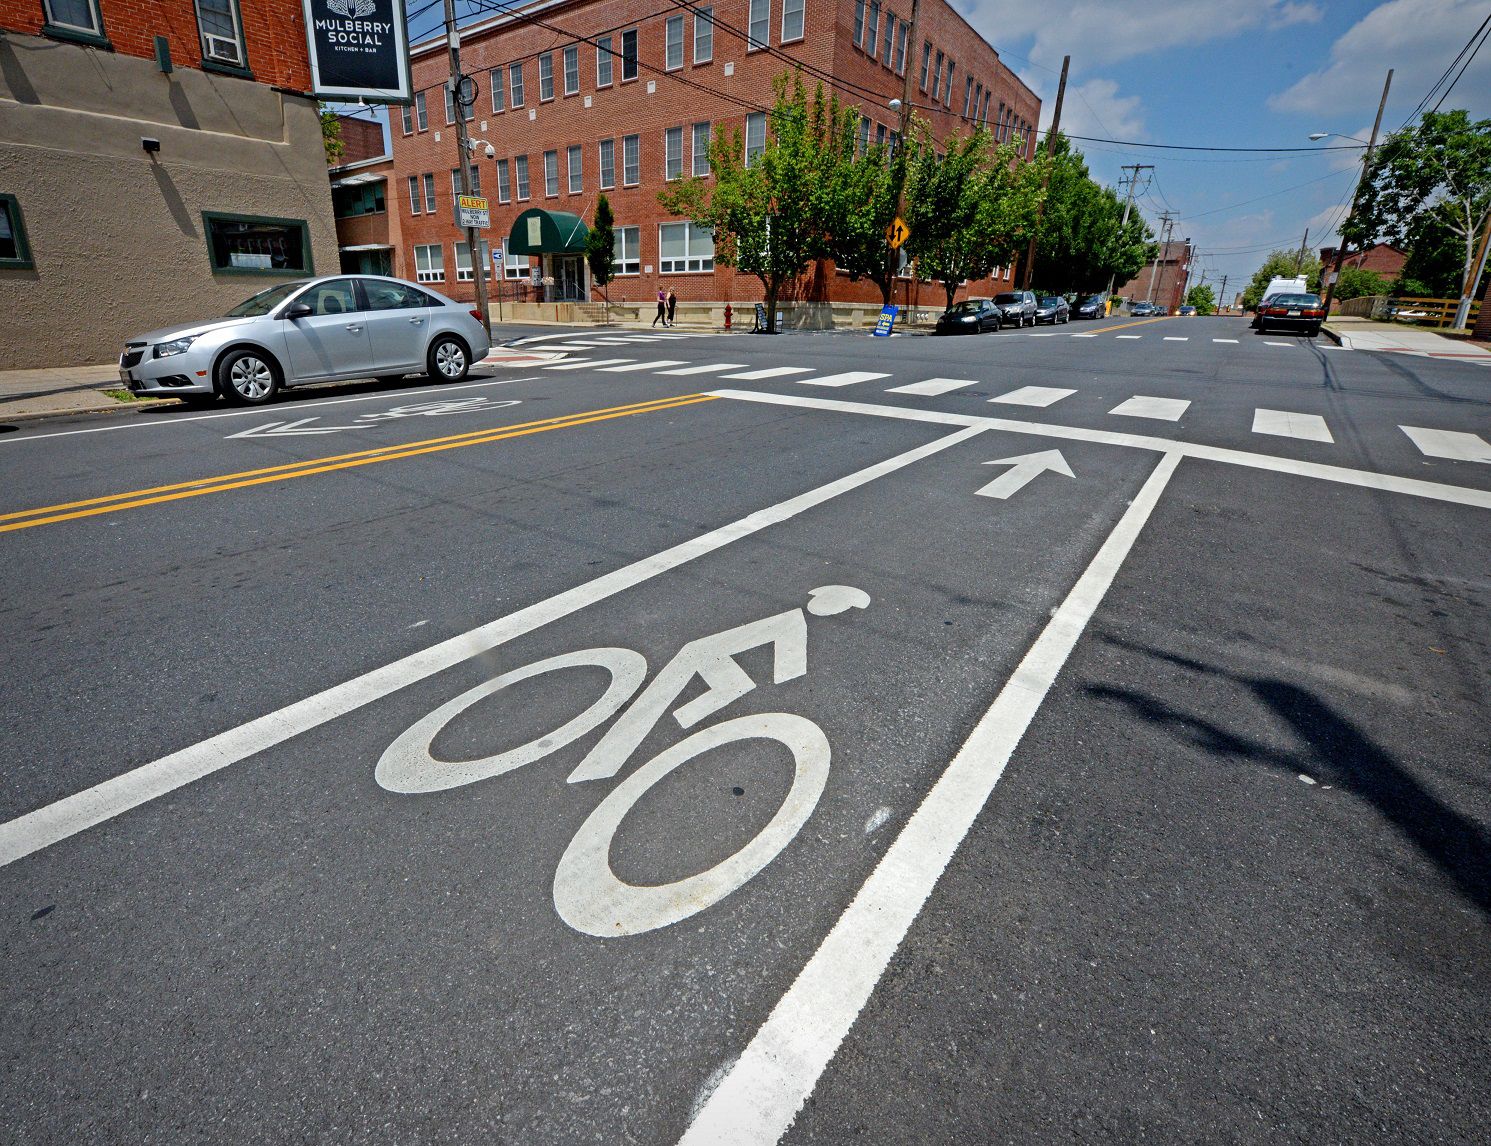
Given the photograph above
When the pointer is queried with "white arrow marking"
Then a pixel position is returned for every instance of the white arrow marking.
(1026, 467)
(287, 429)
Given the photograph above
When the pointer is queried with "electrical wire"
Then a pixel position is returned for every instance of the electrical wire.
(1444, 75)
(1470, 60)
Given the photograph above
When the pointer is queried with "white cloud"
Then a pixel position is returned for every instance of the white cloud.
(1416, 38)
(1094, 108)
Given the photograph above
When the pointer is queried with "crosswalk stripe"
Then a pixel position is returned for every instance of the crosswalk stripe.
(1285, 424)
(1177, 338)
(848, 378)
(1160, 409)
(770, 372)
(1033, 396)
(1041, 334)
(1131, 337)
(630, 367)
(585, 363)
(708, 368)
(1453, 444)
(932, 387)
(1231, 340)
(1278, 344)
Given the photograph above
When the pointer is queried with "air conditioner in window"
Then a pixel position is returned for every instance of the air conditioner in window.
(222, 49)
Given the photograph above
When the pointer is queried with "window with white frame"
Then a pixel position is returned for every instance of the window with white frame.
(74, 16)
(631, 160)
(515, 266)
(551, 173)
(575, 158)
(872, 30)
(701, 149)
(937, 80)
(429, 263)
(603, 59)
(703, 34)
(421, 116)
(222, 40)
(545, 77)
(455, 181)
(760, 25)
(673, 43)
(608, 164)
(464, 273)
(947, 87)
(450, 105)
(520, 173)
(967, 94)
(755, 136)
(499, 88)
(626, 247)
(684, 247)
(414, 197)
(572, 69)
(926, 62)
(902, 32)
(859, 22)
(515, 84)
(629, 54)
(673, 153)
(429, 178)
(504, 182)
(880, 135)
(887, 41)
(864, 134)
(407, 114)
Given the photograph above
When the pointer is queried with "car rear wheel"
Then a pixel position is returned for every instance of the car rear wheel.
(448, 359)
(247, 377)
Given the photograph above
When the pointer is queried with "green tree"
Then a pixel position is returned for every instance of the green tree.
(861, 206)
(1083, 241)
(1202, 298)
(1436, 257)
(1358, 283)
(1442, 167)
(331, 136)
(1281, 264)
(600, 249)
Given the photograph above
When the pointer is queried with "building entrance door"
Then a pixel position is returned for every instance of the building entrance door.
(569, 278)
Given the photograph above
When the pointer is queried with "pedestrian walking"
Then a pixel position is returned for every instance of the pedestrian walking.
(662, 307)
(672, 306)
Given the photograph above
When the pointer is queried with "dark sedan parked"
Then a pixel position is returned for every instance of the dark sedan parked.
(1292, 312)
(971, 317)
(1052, 308)
(1091, 307)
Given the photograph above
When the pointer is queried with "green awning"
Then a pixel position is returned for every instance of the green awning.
(540, 232)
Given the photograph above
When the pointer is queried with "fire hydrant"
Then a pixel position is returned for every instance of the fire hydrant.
(728, 313)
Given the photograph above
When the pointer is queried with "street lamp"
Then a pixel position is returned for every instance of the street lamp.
(1317, 136)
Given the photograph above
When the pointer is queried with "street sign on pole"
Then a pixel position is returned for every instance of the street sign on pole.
(472, 211)
(897, 233)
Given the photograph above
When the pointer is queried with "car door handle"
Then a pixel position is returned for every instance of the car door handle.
(416, 322)
(354, 327)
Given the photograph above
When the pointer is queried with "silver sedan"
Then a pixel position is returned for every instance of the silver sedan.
(314, 330)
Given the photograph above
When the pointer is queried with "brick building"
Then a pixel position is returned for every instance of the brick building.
(621, 97)
(158, 162)
(1380, 258)
(1163, 280)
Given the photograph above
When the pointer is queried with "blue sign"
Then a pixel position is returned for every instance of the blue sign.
(886, 320)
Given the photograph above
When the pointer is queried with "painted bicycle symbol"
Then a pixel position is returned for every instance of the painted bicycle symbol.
(587, 893)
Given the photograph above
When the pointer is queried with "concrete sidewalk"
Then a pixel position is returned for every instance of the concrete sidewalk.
(1395, 337)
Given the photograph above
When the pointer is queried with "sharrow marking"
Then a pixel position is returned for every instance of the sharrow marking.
(1033, 396)
(1452, 444)
(627, 369)
(932, 387)
(756, 1102)
(1283, 424)
(770, 372)
(709, 368)
(1160, 409)
(848, 378)
(584, 363)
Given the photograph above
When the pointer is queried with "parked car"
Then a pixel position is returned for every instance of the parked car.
(1186, 311)
(1052, 308)
(1292, 312)
(1017, 306)
(1161, 311)
(1143, 309)
(1091, 307)
(312, 330)
(971, 317)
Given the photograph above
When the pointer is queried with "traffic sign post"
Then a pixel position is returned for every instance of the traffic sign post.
(897, 234)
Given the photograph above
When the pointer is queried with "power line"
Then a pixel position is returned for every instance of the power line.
(1444, 75)
(1487, 32)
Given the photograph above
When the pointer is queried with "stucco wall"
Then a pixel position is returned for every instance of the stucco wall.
(116, 235)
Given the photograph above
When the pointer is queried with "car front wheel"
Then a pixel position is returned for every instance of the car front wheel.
(448, 359)
(247, 377)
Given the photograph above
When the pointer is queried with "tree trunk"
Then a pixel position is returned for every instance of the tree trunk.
(886, 285)
(952, 289)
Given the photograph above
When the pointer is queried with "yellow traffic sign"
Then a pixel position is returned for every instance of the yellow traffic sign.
(897, 233)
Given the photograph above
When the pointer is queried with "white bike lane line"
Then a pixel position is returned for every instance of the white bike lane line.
(64, 818)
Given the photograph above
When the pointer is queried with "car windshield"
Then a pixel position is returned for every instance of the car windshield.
(965, 308)
(1009, 296)
(1050, 302)
(1090, 301)
(265, 301)
(1296, 300)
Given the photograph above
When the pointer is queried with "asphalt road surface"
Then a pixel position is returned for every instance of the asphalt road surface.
(1051, 736)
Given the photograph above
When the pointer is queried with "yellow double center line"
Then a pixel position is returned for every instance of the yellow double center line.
(133, 499)
(1137, 322)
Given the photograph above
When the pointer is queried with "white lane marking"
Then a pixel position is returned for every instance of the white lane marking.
(643, 366)
(1084, 336)
(1131, 337)
(577, 345)
(1160, 409)
(1231, 340)
(1284, 424)
(1452, 444)
(584, 363)
(932, 387)
(1033, 396)
(1365, 479)
(1266, 343)
(82, 810)
(849, 378)
(1041, 334)
(1177, 338)
(710, 368)
(759, 1098)
(770, 372)
(278, 408)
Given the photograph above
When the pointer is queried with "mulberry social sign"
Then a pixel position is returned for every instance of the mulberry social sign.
(359, 50)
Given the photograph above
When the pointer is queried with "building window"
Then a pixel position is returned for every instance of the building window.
(673, 43)
(864, 135)
(499, 89)
(429, 192)
(455, 181)
(515, 84)
(78, 18)
(222, 37)
(792, 21)
(760, 26)
(703, 35)
(464, 272)
(631, 160)
(429, 263)
(608, 164)
(755, 136)
(999, 124)
(926, 62)
(545, 77)
(626, 247)
(701, 150)
(683, 247)
(937, 80)
(576, 161)
(603, 62)
(902, 31)
(504, 182)
(362, 199)
(967, 94)
(629, 54)
(15, 252)
(421, 116)
(887, 41)
(551, 173)
(872, 30)
(673, 153)
(572, 69)
(880, 135)
(450, 105)
(859, 23)
(947, 86)
(515, 266)
(414, 194)
(251, 244)
(983, 116)
(407, 115)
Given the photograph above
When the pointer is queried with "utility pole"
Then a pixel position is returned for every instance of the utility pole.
(1167, 224)
(1222, 295)
(1128, 205)
(1330, 286)
(1467, 289)
(463, 159)
(1040, 210)
(1299, 259)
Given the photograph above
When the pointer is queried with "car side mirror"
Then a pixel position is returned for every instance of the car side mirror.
(299, 310)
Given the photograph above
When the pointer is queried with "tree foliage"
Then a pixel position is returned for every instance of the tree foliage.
(861, 201)
(331, 136)
(1281, 264)
(1436, 257)
(600, 244)
(1083, 242)
(1356, 282)
(1202, 298)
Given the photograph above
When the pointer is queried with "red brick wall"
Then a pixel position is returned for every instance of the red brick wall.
(1380, 259)
(1482, 329)
(1169, 286)
(273, 33)
(627, 108)
(361, 138)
